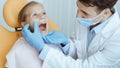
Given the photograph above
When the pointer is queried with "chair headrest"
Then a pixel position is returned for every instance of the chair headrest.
(11, 10)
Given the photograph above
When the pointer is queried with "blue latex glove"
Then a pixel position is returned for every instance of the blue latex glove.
(33, 38)
(55, 37)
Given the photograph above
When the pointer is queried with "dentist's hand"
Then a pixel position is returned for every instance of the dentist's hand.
(56, 37)
(33, 38)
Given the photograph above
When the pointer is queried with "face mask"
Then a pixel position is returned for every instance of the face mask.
(87, 22)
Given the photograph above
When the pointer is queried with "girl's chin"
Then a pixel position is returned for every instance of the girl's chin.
(43, 32)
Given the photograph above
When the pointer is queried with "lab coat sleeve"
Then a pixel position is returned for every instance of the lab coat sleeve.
(104, 58)
(46, 49)
(69, 49)
(44, 52)
(65, 49)
(72, 49)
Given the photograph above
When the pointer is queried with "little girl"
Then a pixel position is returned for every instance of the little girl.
(22, 55)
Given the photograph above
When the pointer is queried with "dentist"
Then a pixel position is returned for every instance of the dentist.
(99, 44)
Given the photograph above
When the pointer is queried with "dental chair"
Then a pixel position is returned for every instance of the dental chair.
(8, 38)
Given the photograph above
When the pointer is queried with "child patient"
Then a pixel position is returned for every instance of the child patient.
(22, 55)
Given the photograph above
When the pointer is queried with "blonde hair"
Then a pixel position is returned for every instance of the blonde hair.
(22, 14)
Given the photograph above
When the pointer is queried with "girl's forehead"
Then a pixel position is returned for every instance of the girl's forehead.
(35, 8)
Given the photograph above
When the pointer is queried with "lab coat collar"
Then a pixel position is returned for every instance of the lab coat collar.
(113, 24)
(106, 32)
(98, 28)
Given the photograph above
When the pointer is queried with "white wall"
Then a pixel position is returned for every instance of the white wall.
(63, 12)
(118, 6)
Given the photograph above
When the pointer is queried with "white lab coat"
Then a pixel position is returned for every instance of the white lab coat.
(103, 51)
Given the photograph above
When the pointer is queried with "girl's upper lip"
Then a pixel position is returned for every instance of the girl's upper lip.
(42, 24)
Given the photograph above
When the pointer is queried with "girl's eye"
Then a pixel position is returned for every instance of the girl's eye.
(34, 14)
(44, 13)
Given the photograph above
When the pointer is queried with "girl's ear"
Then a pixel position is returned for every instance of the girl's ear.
(22, 24)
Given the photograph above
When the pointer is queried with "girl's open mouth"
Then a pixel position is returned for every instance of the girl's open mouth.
(43, 27)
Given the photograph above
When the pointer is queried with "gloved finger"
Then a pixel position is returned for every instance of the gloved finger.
(45, 39)
(52, 32)
(26, 27)
(36, 28)
(26, 30)
(49, 40)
